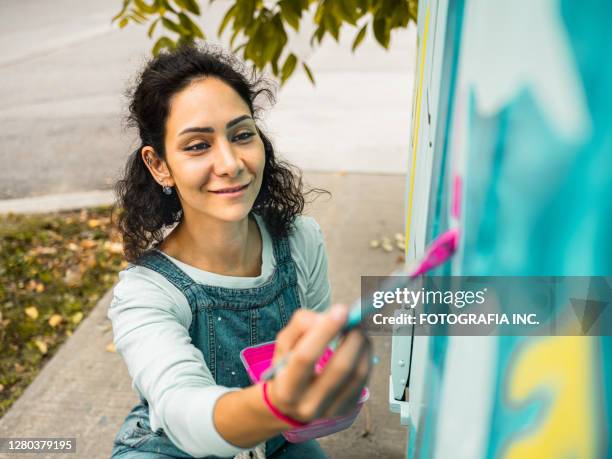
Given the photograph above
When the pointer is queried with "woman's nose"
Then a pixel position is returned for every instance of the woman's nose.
(227, 161)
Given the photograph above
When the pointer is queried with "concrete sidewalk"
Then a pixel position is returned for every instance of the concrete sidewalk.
(85, 391)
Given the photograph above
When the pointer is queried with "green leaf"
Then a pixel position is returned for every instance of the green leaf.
(161, 43)
(320, 13)
(123, 23)
(348, 11)
(145, 8)
(124, 8)
(308, 73)
(190, 5)
(152, 28)
(359, 38)
(194, 7)
(318, 34)
(289, 15)
(137, 18)
(226, 19)
(170, 25)
(381, 31)
(332, 25)
(140, 14)
(234, 35)
(239, 47)
(274, 38)
(275, 68)
(296, 6)
(188, 24)
(288, 67)
(184, 40)
(245, 10)
(165, 5)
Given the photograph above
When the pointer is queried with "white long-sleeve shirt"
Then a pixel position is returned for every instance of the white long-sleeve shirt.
(151, 319)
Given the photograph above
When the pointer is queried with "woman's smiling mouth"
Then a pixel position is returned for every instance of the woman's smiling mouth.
(231, 191)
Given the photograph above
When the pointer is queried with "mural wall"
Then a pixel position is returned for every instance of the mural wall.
(513, 101)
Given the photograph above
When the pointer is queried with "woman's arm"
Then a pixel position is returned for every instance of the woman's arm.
(150, 319)
(243, 419)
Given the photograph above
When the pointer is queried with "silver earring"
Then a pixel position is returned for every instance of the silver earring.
(167, 190)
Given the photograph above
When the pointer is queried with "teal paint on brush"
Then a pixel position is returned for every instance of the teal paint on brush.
(438, 252)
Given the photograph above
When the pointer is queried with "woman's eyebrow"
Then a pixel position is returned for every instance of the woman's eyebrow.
(210, 129)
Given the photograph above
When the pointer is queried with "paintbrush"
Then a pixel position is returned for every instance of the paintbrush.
(438, 252)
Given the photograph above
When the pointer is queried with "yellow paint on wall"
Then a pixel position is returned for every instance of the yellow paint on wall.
(415, 129)
(563, 366)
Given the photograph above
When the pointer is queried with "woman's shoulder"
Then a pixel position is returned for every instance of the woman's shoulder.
(306, 232)
(139, 287)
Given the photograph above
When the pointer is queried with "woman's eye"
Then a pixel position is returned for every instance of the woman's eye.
(197, 147)
(244, 136)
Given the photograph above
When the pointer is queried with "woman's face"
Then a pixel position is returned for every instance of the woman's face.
(213, 151)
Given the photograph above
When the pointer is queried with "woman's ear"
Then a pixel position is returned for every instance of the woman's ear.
(157, 166)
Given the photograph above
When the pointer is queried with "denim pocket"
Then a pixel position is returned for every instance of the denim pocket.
(134, 433)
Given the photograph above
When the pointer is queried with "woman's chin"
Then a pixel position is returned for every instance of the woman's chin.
(233, 213)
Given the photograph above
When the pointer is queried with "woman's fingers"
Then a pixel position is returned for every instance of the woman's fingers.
(301, 321)
(341, 375)
(347, 398)
(306, 339)
(308, 350)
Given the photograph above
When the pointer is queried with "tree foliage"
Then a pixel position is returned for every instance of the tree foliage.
(259, 29)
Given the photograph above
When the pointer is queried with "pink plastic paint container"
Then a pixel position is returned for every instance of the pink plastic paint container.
(257, 359)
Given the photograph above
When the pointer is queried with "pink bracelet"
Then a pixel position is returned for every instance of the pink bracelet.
(276, 412)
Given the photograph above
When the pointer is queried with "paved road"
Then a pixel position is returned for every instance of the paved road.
(63, 69)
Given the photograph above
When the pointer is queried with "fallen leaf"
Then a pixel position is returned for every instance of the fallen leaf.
(68, 333)
(40, 287)
(19, 368)
(72, 246)
(72, 277)
(114, 247)
(43, 251)
(31, 285)
(93, 222)
(41, 345)
(88, 262)
(31, 312)
(111, 347)
(56, 236)
(55, 320)
(374, 243)
(77, 317)
(87, 244)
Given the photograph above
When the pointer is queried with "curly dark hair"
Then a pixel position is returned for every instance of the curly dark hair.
(144, 210)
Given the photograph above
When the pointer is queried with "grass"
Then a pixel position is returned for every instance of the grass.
(53, 270)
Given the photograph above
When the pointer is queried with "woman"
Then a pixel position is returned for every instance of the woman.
(240, 267)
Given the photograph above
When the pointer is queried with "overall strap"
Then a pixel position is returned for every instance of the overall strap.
(159, 263)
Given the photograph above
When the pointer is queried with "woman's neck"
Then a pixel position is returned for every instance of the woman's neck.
(227, 248)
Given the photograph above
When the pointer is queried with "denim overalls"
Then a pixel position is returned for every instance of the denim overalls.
(224, 321)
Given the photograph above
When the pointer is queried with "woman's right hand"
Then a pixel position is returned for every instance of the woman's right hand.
(300, 393)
